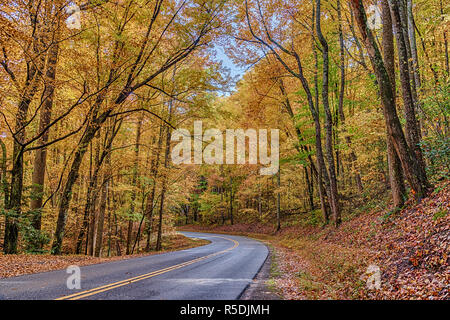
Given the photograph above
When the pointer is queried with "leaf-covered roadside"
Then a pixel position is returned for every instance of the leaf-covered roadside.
(410, 246)
(20, 264)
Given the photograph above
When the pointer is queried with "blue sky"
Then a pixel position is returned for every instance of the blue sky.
(235, 70)
(227, 62)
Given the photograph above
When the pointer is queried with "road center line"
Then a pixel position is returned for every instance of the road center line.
(87, 293)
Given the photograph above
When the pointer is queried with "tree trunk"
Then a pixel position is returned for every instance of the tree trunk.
(101, 217)
(322, 176)
(164, 178)
(34, 65)
(4, 179)
(87, 227)
(72, 177)
(334, 197)
(302, 148)
(134, 182)
(163, 190)
(278, 200)
(447, 67)
(404, 22)
(151, 197)
(16, 186)
(413, 44)
(396, 178)
(411, 166)
(309, 188)
(412, 126)
(92, 210)
(353, 157)
(231, 201)
(40, 159)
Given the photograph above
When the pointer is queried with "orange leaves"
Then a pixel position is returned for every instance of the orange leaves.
(414, 261)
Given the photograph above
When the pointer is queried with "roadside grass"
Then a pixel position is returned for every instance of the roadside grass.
(275, 273)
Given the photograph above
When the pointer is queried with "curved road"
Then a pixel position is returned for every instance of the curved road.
(220, 270)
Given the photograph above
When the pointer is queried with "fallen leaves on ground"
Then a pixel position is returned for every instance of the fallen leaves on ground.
(13, 265)
(410, 246)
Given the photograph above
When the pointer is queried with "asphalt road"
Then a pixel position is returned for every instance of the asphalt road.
(220, 270)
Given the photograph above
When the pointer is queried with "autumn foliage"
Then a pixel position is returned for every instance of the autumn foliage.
(92, 91)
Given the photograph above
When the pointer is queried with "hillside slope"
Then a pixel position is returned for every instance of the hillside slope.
(410, 246)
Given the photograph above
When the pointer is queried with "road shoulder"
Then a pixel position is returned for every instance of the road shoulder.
(259, 289)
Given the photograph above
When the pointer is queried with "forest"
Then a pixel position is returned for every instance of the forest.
(93, 91)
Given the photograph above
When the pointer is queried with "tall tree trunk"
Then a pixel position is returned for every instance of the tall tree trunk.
(309, 188)
(35, 63)
(412, 126)
(67, 192)
(16, 186)
(411, 167)
(222, 213)
(4, 178)
(302, 148)
(101, 214)
(259, 201)
(163, 190)
(322, 176)
(334, 197)
(278, 200)
(40, 159)
(92, 210)
(88, 224)
(353, 157)
(108, 203)
(232, 199)
(447, 67)
(404, 21)
(396, 178)
(151, 197)
(165, 177)
(413, 44)
(134, 182)
(117, 234)
(414, 60)
(72, 177)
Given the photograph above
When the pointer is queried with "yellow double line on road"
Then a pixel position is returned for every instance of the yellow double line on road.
(91, 292)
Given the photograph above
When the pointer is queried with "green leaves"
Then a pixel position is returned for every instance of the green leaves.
(34, 240)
